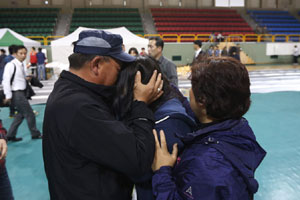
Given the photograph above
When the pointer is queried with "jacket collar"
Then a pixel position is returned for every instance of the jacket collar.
(107, 92)
(215, 127)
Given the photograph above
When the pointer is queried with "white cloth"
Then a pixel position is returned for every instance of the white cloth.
(19, 82)
(197, 52)
(219, 36)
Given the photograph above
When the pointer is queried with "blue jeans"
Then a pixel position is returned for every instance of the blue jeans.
(5, 186)
(41, 72)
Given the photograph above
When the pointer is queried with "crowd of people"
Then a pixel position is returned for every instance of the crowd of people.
(215, 51)
(117, 122)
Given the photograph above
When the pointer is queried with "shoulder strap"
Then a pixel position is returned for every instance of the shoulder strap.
(13, 76)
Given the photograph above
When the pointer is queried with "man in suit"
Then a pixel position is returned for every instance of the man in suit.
(198, 50)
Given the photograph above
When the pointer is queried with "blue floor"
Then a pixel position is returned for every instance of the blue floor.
(274, 117)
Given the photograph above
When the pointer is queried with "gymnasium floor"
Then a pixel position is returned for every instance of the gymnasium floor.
(274, 117)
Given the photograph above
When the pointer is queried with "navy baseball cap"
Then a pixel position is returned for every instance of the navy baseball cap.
(102, 43)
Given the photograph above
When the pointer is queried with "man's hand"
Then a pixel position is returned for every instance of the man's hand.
(3, 149)
(162, 156)
(6, 101)
(150, 92)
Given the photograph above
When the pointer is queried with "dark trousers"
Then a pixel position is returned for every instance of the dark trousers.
(12, 109)
(295, 59)
(34, 70)
(5, 186)
(24, 111)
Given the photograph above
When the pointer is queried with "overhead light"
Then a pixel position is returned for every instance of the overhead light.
(46, 2)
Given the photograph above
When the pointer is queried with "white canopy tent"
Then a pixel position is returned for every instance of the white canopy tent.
(63, 47)
(9, 37)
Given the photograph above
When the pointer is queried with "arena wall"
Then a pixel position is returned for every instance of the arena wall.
(144, 4)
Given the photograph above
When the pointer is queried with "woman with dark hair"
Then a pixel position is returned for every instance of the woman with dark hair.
(219, 159)
(133, 51)
(172, 112)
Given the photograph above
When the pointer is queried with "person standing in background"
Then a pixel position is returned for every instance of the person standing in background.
(210, 51)
(33, 61)
(220, 37)
(133, 52)
(143, 52)
(12, 53)
(2, 63)
(224, 51)
(197, 48)
(295, 55)
(212, 37)
(217, 51)
(168, 68)
(41, 65)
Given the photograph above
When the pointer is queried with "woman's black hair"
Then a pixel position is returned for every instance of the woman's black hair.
(133, 49)
(124, 98)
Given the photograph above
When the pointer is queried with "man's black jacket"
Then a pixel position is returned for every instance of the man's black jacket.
(88, 154)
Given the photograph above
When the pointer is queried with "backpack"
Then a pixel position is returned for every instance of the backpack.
(2, 95)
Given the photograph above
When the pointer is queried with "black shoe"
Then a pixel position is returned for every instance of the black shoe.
(14, 139)
(37, 137)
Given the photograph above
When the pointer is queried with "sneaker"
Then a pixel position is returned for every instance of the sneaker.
(14, 139)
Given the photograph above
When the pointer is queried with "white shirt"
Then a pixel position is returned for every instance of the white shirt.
(197, 52)
(296, 51)
(219, 36)
(19, 82)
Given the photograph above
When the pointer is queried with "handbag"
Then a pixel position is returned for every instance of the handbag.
(29, 91)
(2, 97)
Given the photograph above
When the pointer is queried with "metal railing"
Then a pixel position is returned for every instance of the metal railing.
(203, 37)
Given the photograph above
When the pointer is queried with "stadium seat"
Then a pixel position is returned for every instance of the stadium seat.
(199, 21)
(29, 21)
(107, 18)
(276, 22)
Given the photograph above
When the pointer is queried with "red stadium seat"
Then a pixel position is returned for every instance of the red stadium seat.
(199, 21)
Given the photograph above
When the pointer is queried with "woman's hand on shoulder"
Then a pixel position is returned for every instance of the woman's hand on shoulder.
(162, 156)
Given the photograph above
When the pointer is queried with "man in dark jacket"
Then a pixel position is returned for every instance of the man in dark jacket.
(88, 154)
